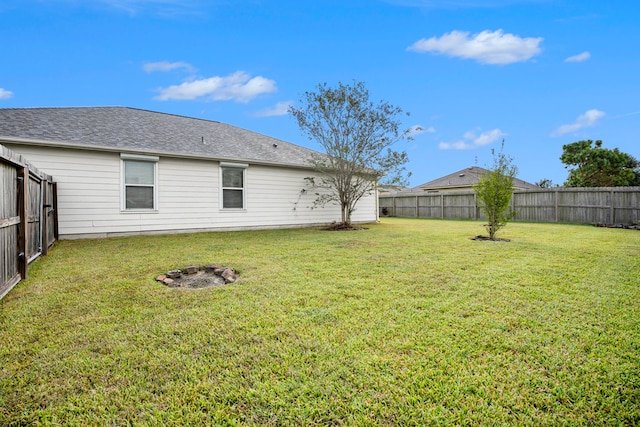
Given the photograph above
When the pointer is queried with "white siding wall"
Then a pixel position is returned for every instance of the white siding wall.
(89, 194)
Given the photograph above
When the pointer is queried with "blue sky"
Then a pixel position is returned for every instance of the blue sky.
(536, 73)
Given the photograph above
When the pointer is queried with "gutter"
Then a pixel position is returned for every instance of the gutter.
(102, 148)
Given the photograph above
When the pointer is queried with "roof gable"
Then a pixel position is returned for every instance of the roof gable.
(130, 129)
(465, 178)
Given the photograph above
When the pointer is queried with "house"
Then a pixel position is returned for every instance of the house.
(122, 171)
(463, 181)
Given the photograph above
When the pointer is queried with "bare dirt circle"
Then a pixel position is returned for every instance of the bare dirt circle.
(194, 277)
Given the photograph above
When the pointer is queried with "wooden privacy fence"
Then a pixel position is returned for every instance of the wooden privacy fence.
(616, 205)
(28, 217)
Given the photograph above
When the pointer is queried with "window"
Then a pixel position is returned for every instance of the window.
(232, 185)
(139, 182)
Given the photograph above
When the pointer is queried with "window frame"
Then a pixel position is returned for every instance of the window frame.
(243, 167)
(123, 187)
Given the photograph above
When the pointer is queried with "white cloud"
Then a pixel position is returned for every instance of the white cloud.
(585, 120)
(457, 145)
(280, 109)
(471, 140)
(5, 94)
(578, 58)
(486, 47)
(167, 66)
(239, 87)
(489, 137)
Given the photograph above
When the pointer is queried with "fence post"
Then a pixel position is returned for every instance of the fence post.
(23, 227)
(555, 193)
(475, 206)
(44, 224)
(54, 204)
(611, 208)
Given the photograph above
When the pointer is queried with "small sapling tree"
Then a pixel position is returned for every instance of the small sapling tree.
(357, 136)
(494, 191)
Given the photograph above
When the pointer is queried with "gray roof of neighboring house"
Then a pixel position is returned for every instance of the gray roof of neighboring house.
(465, 178)
(135, 130)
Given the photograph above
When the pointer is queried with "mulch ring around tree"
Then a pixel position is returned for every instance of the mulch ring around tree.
(339, 226)
(193, 277)
(495, 239)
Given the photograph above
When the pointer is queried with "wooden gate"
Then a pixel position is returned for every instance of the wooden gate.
(28, 218)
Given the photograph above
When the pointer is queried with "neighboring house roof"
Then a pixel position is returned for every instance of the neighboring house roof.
(143, 131)
(464, 180)
(392, 188)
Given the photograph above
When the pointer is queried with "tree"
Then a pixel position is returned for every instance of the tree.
(544, 183)
(357, 136)
(494, 191)
(594, 166)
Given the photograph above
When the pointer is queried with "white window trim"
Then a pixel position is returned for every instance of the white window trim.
(123, 186)
(244, 167)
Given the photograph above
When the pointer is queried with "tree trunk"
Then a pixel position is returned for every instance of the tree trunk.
(346, 216)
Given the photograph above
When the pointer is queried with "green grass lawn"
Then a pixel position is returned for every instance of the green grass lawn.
(407, 323)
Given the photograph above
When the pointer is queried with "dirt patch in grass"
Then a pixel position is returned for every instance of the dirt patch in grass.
(198, 277)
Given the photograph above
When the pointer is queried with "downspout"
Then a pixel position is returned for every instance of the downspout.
(377, 193)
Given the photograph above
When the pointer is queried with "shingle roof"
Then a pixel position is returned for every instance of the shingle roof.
(147, 131)
(465, 178)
